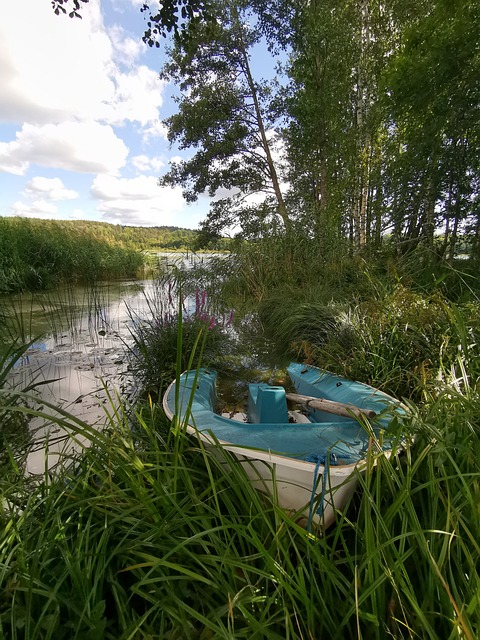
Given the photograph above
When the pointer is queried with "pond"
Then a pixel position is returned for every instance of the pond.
(81, 362)
(82, 359)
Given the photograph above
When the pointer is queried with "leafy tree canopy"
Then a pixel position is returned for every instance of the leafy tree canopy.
(228, 117)
(177, 16)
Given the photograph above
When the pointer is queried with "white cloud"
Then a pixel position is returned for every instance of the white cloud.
(137, 201)
(127, 49)
(50, 189)
(58, 67)
(55, 69)
(42, 193)
(86, 147)
(156, 130)
(144, 163)
(72, 89)
(11, 160)
(36, 209)
(137, 97)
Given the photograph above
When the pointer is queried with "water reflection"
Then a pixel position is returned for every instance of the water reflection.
(81, 368)
(82, 362)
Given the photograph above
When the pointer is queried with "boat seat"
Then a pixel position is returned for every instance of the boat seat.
(266, 404)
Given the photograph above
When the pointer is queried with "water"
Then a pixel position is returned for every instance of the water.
(82, 363)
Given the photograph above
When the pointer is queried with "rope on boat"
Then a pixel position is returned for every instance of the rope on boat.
(326, 460)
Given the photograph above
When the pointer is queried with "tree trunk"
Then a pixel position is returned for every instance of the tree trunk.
(282, 209)
(363, 137)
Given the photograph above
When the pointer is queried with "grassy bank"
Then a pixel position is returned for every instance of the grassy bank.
(38, 254)
(373, 318)
(151, 537)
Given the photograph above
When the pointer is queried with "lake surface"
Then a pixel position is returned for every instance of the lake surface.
(82, 361)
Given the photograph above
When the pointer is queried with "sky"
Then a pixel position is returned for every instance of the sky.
(81, 110)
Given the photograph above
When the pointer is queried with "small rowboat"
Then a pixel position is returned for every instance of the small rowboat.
(309, 459)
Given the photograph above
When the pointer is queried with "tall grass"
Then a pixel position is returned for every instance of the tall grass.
(36, 255)
(156, 353)
(401, 340)
(147, 536)
(297, 265)
(293, 266)
(15, 437)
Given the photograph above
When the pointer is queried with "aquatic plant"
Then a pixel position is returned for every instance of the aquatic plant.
(15, 436)
(38, 254)
(400, 339)
(155, 352)
(147, 534)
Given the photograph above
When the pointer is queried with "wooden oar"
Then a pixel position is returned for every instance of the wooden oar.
(330, 406)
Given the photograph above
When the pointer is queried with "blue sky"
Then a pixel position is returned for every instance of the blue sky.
(81, 110)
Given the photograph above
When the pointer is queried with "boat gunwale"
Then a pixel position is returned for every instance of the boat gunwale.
(264, 455)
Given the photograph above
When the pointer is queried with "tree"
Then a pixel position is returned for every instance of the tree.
(176, 16)
(434, 106)
(228, 117)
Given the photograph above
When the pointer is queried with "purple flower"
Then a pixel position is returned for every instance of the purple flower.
(230, 318)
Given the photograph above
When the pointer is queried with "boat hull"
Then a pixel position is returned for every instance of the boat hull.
(313, 490)
(292, 483)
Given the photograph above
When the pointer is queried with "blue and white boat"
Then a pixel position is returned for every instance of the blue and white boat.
(308, 459)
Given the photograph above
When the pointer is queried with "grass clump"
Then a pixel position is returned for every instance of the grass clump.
(38, 254)
(15, 437)
(294, 267)
(157, 352)
(147, 534)
(401, 340)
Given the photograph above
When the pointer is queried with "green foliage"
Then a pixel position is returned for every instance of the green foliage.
(226, 115)
(15, 437)
(177, 16)
(417, 541)
(432, 100)
(36, 254)
(428, 273)
(403, 341)
(156, 350)
(144, 533)
(371, 120)
(292, 267)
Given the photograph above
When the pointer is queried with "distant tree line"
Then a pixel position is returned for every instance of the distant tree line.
(36, 254)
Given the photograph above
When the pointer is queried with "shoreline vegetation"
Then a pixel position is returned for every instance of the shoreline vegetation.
(351, 177)
(145, 534)
(39, 254)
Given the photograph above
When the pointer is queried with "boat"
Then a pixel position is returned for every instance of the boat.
(308, 459)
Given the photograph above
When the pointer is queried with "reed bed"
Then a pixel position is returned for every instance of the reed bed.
(38, 254)
(400, 340)
(156, 353)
